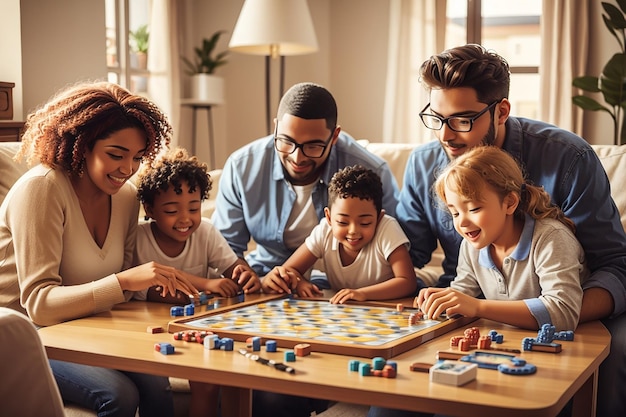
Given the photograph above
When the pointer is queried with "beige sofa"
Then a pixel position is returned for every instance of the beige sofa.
(613, 159)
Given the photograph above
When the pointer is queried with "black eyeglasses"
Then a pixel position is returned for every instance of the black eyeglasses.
(310, 149)
(456, 123)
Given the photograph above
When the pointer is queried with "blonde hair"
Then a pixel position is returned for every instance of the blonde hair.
(490, 165)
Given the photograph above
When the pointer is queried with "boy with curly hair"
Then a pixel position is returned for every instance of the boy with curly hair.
(171, 191)
(364, 251)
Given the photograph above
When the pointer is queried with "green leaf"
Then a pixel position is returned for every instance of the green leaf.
(587, 83)
(615, 15)
(587, 103)
(612, 80)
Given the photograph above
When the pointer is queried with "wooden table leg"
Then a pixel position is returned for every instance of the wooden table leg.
(584, 401)
(236, 402)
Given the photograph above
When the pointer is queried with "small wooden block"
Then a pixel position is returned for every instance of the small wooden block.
(453, 372)
(421, 367)
(546, 347)
(155, 329)
(302, 349)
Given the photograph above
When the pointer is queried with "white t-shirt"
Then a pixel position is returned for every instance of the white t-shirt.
(370, 266)
(206, 252)
(303, 217)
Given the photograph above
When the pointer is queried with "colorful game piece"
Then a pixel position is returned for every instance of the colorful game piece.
(177, 311)
(365, 369)
(378, 363)
(164, 348)
(353, 365)
(453, 372)
(254, 343)
(226, 343)
(517, 369)
(270, 346)
(290, 356)
(212, 341)
(155, 329)
(420, 367)
(189, 310)
(302, 349)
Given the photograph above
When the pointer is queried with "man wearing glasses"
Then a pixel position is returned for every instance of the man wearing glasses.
(469, 106)
(274, 191)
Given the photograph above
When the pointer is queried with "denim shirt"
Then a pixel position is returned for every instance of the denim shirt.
(255, 199)
(560, 161)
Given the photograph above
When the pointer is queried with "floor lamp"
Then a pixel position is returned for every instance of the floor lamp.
(275, 29)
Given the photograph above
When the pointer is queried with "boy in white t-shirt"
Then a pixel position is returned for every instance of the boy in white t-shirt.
(364, 251)
(172, 191)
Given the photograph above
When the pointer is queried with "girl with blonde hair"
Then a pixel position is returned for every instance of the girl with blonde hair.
(518, 251)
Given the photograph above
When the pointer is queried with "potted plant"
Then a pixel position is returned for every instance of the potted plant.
(205, 85)
(139, 44)
(611, 81)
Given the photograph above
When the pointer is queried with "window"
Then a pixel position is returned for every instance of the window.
(127, 35)
(512, 29)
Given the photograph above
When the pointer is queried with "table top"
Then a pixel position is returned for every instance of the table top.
(119, 339)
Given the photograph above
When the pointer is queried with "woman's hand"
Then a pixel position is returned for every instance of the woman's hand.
(280, 280)
(154, 274)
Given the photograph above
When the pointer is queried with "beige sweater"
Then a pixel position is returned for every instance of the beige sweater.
(50, 266)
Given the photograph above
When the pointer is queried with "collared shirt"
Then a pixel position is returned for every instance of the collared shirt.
(255, 199)
(568, 169)
(545, 269)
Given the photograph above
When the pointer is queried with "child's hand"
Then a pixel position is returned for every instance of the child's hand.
(246, 278)
(435, 301)
(346, 294)
(225, 287)
(280, 280)
(306, 289)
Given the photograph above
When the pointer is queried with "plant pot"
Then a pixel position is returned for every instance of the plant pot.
(207, 87)
(139, 60)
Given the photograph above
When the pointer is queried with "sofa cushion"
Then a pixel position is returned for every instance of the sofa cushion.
(613, 160)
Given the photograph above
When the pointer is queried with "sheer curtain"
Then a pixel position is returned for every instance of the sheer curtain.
(565, 46)
(164, 61)
(416, 31)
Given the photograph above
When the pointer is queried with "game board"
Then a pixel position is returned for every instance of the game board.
(358, 329)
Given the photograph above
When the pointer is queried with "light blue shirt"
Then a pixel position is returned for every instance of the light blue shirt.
(560, 161)
(255, 199)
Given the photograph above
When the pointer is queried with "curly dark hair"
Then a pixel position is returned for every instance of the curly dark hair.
(470, 66)
(173, 169)
(59, 133)
(356, 181)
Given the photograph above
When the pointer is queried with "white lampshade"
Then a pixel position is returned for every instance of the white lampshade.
(274, 27)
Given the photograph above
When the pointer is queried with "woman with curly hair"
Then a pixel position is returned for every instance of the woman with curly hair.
(68, 230)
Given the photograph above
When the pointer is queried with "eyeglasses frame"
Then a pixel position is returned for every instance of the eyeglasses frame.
(445, 120)
(302, 145)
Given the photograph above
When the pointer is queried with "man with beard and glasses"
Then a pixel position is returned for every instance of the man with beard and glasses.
(274, 191)
(469, 107)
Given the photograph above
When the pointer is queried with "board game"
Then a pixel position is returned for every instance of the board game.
(362, 329)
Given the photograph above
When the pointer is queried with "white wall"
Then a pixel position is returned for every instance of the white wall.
(63, 42)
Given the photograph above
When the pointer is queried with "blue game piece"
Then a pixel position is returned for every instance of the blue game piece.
(514, 369)
(189, 310)
(290, 356)
(226, 343)
(177, 311)
(378, 363)
(255, 343)
(365, 369)
(393, 364)
(270, 346)
(165, 348)
(203, 298)
(353, 365)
